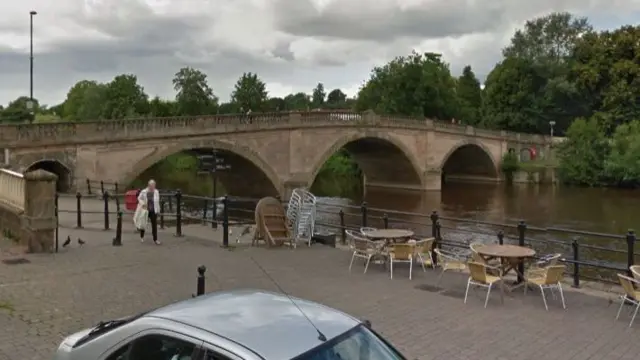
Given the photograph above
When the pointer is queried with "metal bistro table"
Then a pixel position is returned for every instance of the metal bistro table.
(389, 235)
(510, 257)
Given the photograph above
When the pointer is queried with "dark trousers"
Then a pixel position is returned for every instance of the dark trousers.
(153, 218)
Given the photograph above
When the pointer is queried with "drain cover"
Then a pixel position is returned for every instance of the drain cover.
(429, 288)
(16, 261)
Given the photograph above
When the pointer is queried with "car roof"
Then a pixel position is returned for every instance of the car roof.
(267, 323)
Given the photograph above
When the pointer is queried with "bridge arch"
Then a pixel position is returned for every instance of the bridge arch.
(384, 160)
(249, 176)
(469, 160)
(62, 171)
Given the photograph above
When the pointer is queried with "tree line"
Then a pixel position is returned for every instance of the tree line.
(556, 73)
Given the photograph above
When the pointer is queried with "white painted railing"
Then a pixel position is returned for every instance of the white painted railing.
(12, 188)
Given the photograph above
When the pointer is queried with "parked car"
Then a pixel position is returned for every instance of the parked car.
(232, 325)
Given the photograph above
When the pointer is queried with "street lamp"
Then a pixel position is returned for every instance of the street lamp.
(32, 13)
(551, 125)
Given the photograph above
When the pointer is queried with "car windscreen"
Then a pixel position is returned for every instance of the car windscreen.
(359, 343)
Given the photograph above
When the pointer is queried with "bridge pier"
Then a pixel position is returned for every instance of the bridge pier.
(433, 180)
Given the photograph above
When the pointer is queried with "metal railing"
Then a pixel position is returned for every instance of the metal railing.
(590, 255)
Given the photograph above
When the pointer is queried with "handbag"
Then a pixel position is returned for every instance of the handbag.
(140, 218)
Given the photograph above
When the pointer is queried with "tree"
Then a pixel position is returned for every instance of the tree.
(276, 104)
(250, 93)
(336, 98)
(18, 110)
(470, 96)
(416, 85)
(194, 96)
(124, 97)
(606, 71)
(549, 38)
(582, 155)
(622, 165)
(298, 101)
(163, 108)
(85, 101)
(318, 95)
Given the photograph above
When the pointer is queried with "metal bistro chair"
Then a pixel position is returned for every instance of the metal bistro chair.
(401, 253)
(631, 295)
(478, 276)
(364, 249)
(549, 280)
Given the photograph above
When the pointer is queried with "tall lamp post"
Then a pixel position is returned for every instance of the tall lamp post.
(551, 125)
(31, 104)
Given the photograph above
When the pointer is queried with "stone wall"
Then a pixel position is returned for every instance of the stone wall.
(32, 225)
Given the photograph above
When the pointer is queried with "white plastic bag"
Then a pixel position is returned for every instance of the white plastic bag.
(140, 218)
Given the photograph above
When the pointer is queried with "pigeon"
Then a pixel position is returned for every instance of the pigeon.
(81, 242)
(244, 232)
(67, 242)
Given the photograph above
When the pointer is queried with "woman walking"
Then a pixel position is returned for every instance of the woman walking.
(149, 202)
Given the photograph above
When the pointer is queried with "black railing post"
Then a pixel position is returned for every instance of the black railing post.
(436, 243)
(225, 221)
(434, 220)
(178, 213)
(522, 228)
(117, 198)
(105, 199)
(78, 210)
(201, 280)
(385, 221)
(161, 214)
(56, 202)
(115, 188)
(631, 244)
(117, 241)
(576, 265)
(501, 237)
(343, 228)
(363, 210)
(88, 186)
(214, 216)
(102, 187)
(204, 211)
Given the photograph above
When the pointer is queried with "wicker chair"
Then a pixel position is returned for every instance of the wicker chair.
(549, 280)
(478, 276)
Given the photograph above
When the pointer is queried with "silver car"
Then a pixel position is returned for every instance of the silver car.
(233, 325)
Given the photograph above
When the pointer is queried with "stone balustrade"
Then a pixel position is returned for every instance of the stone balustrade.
(15, 135)
(27, 209)
(12, 186)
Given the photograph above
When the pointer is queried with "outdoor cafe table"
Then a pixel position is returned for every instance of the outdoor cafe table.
(389, 235)
(510, 256)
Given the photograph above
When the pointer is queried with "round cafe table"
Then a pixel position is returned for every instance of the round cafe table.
(510, 256)
(389, 234)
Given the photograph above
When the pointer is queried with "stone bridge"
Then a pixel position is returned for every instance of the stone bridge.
(269, 154)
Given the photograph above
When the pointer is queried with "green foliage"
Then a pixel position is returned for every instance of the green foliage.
(318, 96)
(582, 156)
(510, 163)
(194, 96)
(250, 94)
(470, 96)
(339, 176)
(416, 85)
(622, 166)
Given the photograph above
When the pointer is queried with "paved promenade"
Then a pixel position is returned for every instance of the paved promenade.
(54, 295)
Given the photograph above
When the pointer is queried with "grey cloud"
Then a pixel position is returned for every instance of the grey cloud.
(432, 20)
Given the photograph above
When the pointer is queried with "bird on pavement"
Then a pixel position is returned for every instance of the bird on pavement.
(81, 242)
(244, 232)
(67, 242)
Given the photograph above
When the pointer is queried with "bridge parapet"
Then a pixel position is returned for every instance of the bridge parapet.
(114, 130)
(27, 209)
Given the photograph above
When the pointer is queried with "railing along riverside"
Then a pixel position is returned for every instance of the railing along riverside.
(12, 188)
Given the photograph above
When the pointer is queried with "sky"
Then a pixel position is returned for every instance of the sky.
(291, 44)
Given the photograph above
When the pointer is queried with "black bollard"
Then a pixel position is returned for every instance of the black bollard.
(343, 227)
(102, 187)
(631, 244)
(225, 221)
(522, 228)
(88, 187)
(161, 214)
(385, 221)
(501, 237)
(214, 216)
(576, 262)
(78, 210)
(363, 210)
(200, 285)
(57, 201)
(178, 213)
(105, 198)
(117, 241)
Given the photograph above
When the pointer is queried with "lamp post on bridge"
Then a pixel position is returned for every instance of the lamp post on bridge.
(30, 103)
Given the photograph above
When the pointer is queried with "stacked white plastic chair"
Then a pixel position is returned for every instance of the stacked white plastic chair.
(301, 215)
